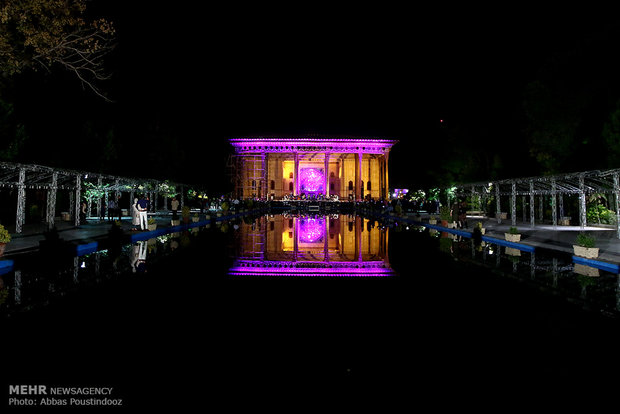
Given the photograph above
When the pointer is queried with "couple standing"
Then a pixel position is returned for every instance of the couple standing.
(140, 208)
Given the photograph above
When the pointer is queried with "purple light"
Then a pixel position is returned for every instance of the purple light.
(308, 269)
(311, 230)
(312, 180)
(307, 145)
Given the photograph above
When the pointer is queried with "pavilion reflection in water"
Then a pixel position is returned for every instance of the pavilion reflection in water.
(312, 246)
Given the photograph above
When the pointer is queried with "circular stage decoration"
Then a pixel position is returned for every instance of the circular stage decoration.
(312, 180)
(311, 230)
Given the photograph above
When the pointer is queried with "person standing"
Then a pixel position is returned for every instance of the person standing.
(135, 214)
(111, 209)
(103, 208)
(175, 207)
(143, 206)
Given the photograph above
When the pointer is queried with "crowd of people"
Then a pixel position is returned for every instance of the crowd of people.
(310, 197)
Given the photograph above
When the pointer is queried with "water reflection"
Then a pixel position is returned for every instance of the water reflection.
(287, 245)
(550, 271)
(34, 282)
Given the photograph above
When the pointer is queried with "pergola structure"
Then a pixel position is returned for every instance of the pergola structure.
(272, 168)
(76, 183)
(555, 187)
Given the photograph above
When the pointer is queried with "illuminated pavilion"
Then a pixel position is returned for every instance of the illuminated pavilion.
(350, 168)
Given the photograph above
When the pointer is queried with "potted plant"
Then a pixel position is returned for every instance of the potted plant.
(432, 219)
(151, 224)
(445, 215)
(585, 270)
(5, 237)
(479, 227)
(585, 246)
(513, 235)
(195, 218)
(565, 221)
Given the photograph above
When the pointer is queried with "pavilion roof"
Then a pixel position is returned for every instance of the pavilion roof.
(312, 144)
(41, 177)
(596, 181)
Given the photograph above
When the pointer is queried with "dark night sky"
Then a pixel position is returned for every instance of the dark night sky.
(228, 71)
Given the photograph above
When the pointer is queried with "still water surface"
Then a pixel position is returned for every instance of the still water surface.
(306, 299)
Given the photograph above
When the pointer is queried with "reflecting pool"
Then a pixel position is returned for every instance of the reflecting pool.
(288, 245)
(233, 302)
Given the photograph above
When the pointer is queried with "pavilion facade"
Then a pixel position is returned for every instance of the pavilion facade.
(343, 168)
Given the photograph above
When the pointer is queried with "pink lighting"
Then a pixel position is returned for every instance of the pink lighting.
(312, 180)
(308, 145)
(309, 269)
(311, 230)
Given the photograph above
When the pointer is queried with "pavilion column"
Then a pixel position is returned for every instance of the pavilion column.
(51, 201)
(513, 205)
(295, 238)
(71, 201)
(296, 187)
(387, 177)
(524, 204)
(358, 177)
(117, 192)
(554, 196)
(326, 241)
(582, 203)
(265, 176)
(155, 200)
(358, 238)
(532, 219)
(182, 201)
(561, 205)
(617, 198)
(383, 183)
(327, 174)
(99, 187)
(381, 186)
(369, 179)
(498, 206)
(21, 201)
(76, 211)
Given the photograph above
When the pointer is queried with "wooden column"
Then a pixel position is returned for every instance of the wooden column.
(327, 174)
(358, 177)
(387, 176)
(296, 177)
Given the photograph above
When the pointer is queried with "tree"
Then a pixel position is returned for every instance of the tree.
(12, 133)
(611, 138)
(553, 120)
(38, 34)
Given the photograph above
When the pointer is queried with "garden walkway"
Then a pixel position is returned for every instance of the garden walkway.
(94, 229)
(545, 236)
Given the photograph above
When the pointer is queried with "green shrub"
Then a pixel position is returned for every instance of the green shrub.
(513, 230)
(598, 213)
(5, 237)
(151, 221)
(584, 240)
